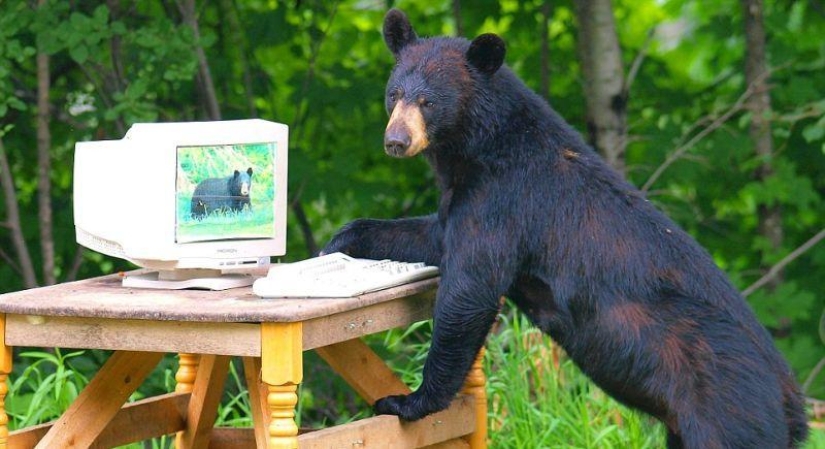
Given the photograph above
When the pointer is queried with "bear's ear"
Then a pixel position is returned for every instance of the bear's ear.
(249, 171)
(398, 32)
(486, 53)
(237, 173)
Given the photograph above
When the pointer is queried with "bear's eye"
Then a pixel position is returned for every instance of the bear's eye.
(425, 103)
(393, 96)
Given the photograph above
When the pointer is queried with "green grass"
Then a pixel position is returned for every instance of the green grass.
(44, 389)
(532, 403)
(258, 222)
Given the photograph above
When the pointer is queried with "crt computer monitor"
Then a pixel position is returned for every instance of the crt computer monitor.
(202, 203)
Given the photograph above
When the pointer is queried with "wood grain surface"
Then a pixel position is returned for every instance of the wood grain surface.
(105, 297)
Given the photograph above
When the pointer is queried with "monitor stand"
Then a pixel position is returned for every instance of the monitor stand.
(201, 279)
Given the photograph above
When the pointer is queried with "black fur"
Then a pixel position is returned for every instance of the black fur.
(529, 211)
(221, 194)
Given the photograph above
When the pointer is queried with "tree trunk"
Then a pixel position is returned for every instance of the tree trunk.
(237, 39)
(116, 45)
(44, 166)
(546, 15)
(459, 24)
(207, 86)
(603, 74)
(759, 104)
(13, 221)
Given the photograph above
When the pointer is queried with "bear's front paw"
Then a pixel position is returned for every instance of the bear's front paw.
(406, 407)
(350, 239)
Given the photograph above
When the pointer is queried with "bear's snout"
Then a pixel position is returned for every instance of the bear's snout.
(406, 133)
(396, 142)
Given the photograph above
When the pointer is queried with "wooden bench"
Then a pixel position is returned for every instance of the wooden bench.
(206, 328)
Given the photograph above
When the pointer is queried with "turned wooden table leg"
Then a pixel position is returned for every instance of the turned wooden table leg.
(185, 380)
(187, 369)
(5, 369)
(204, 401)
(475, 385)
(281, 372)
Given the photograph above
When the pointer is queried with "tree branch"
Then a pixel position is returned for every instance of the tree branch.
(637, 62)
(44, 143)
(71, 274)
(13, 215)
(776, 269)
(677, 154)
(9, 260)
(187, 11)
(814, 372)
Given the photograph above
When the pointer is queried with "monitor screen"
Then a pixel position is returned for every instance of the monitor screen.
(225, 192)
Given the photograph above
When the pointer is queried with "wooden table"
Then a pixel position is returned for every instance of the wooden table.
(206, 328)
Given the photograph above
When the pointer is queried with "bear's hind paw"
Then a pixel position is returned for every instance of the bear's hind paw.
(403, 406)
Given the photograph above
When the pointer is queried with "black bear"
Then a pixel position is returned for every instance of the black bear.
(222, 194)
(529, 211)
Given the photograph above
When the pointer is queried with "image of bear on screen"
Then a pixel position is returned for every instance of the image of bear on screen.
(225, 192)
(224, 195)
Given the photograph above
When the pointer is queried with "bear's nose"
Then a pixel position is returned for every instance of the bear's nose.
(396, 144)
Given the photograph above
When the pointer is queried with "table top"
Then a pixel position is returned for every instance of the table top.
(105, 297)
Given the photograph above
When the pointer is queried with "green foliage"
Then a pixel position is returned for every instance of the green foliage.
(13, 50)
(44, 389)
(235, 409)
(320, 67)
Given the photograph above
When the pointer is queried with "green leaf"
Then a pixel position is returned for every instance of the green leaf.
(101, 15)
(16, 103)
(118, 28)
(79, 53)
(814, 131)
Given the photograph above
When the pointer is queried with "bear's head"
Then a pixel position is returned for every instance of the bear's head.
(241, 183)
(435, 85)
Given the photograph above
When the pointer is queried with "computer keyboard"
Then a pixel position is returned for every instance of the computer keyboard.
(337, 275)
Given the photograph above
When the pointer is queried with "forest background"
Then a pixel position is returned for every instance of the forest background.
(715, 109)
